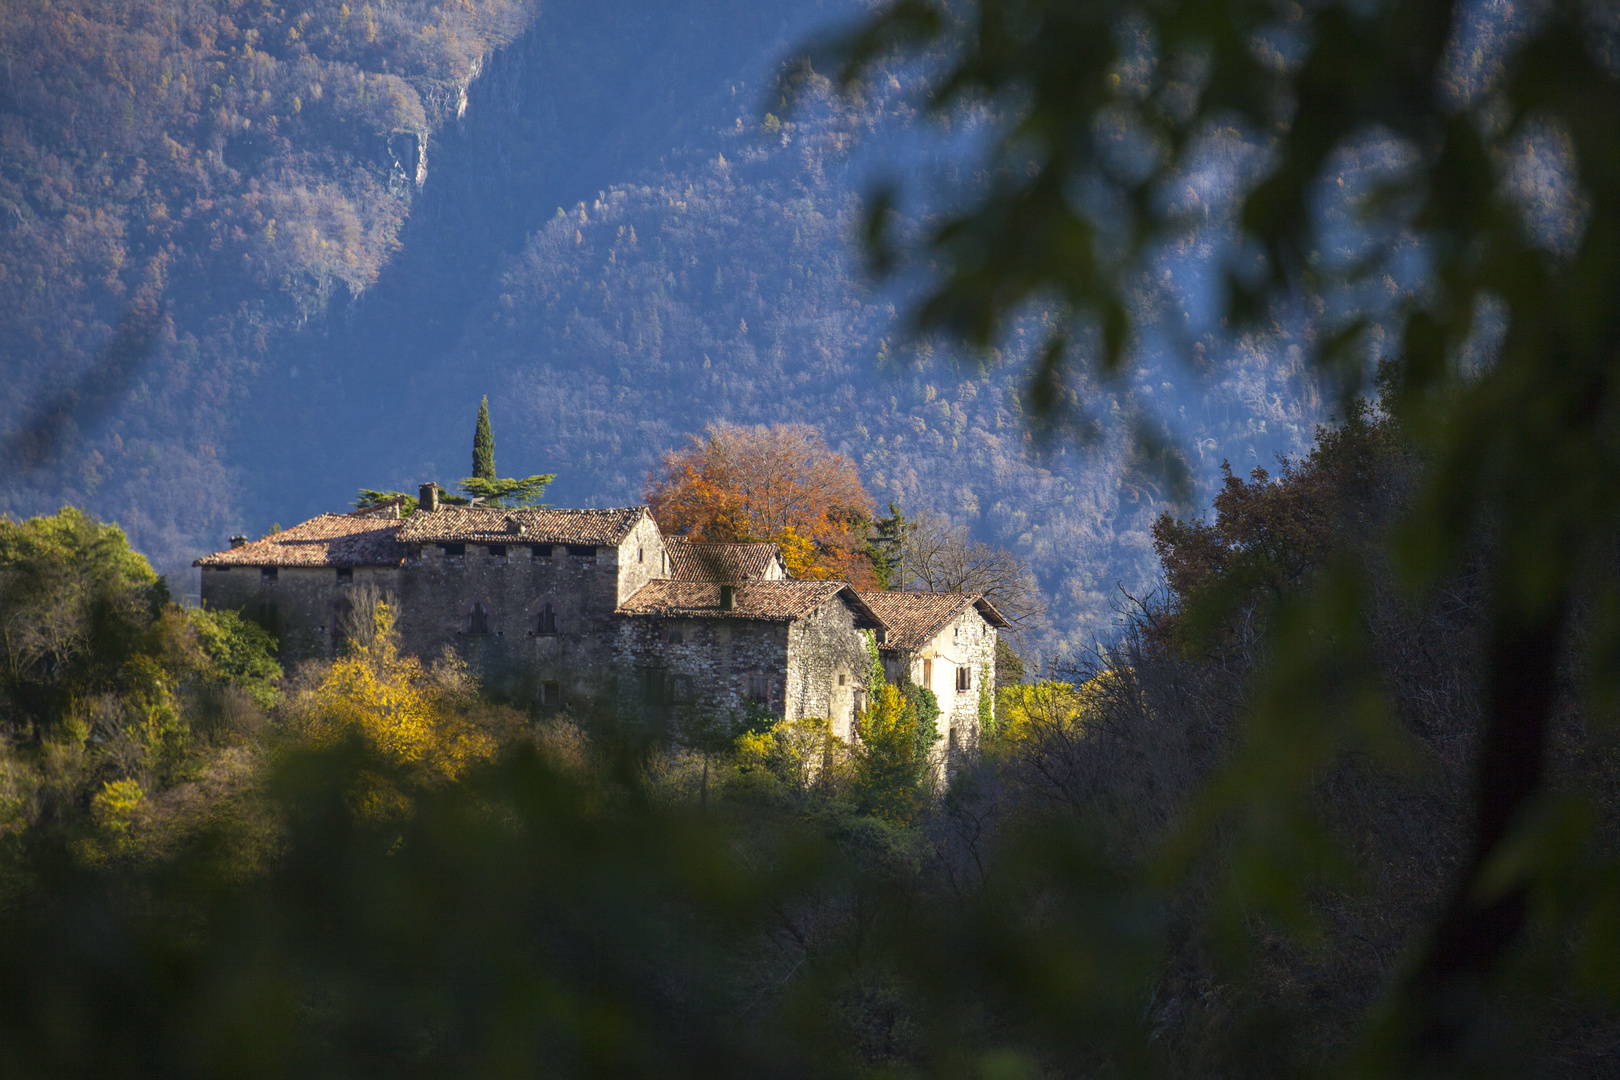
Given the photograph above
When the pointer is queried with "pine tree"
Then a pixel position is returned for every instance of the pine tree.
(885, 548)
(483, 445)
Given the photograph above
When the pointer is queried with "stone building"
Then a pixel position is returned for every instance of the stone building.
(945, 642)
(598, 610)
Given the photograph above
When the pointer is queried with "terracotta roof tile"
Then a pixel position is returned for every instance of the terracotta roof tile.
(693, 561)
(913, 618)
(494, 525)
(328, 540)
(772, 601)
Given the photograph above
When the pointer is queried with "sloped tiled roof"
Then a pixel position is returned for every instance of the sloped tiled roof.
(690, 560)
(328, 540)
(494, 525)
(913, 618)
(771, 601)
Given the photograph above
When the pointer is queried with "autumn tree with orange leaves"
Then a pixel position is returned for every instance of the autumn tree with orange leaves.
(781, 484)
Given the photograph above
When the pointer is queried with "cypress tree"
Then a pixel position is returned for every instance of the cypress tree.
(483, 445)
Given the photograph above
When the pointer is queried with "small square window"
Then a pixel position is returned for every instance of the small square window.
(269, 574)
(674, 634)
(453, 551)
(759, 688)
(497, 551)
(345, 575)
(540, 551)
(840, 680)
(680, 688)
(582, 551)
(551, 693)
(964, 679)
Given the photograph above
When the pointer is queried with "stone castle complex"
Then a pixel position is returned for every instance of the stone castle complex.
(598, 608)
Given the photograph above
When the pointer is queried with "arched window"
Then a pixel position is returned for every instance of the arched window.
(479, 622)
(545, 622)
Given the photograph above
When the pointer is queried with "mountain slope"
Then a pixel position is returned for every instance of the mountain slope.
(613, 247)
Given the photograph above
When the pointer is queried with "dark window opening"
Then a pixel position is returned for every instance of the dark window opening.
(860, 699)
(497, 551)
(545, 622)
(551, 693)
(223, 569)
(478, 623)
(655, 686)
(453, 551)
(345, 575)
(759, 688)
(342, 623)
(582, 551)
(540, 551)
(680, 688)
(674, 634)
(953, 739)
(892, 670)
(840, 680)
(269, 573)
(640, 552)
(964, 679)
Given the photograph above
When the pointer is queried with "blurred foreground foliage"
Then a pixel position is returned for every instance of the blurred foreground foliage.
(365, 867)
(1466, 622)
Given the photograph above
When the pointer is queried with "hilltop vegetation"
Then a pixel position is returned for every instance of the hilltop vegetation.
(224, 217)
(180, 182)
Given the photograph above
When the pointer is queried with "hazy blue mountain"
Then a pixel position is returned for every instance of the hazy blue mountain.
(615, 244)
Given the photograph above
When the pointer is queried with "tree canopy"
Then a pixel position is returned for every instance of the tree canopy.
(780, 484)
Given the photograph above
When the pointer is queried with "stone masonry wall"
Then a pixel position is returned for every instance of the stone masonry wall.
(438, 591)
(301, 604)
(966, 641)
(697, 669)
(435, 593)
(640, 558)
(827, 667)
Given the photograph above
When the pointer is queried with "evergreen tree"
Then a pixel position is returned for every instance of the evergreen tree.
(885, 546)
(504, 491)
(483, 445)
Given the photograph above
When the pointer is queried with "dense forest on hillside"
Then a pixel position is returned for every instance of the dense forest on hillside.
(181, 182)
(615, 236)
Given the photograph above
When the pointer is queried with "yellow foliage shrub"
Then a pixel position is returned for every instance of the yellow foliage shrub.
(1031, 712)
(803, 755)
(408, 715)
(118, 805)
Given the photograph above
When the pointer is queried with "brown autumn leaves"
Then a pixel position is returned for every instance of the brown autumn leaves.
(782, 484)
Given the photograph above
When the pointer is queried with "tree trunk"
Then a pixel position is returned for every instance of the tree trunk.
(1474, 933)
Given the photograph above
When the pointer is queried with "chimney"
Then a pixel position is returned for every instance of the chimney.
(728, 597)
(429, 499)
(238, 541)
